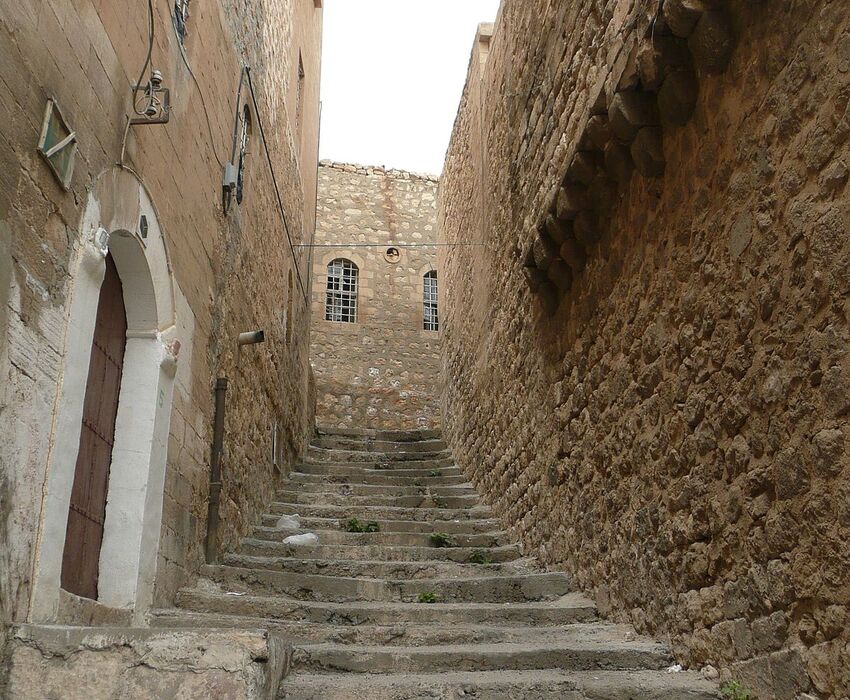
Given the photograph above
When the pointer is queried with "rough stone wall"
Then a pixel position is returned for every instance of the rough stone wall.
(230, 272)
(380, 372)
(673, 433)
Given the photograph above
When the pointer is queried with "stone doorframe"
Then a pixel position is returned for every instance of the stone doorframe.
(113, 223)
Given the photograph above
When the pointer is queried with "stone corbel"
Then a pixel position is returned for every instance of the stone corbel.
(170, 352)
(93, 254)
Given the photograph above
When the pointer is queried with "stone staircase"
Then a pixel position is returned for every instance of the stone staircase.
(438, 603)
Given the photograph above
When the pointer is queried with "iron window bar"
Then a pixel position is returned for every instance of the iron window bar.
(341, 297)
(431, 320)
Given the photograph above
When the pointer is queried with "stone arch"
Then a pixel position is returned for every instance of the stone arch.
(119, 219)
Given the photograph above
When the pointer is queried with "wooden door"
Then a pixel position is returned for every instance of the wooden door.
(91, 477)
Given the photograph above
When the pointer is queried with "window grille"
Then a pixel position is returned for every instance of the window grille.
(431, 316)
(58, 144)
(244, 137)
(341, 301)
(181, 17)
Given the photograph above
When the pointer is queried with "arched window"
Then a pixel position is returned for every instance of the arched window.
(181, 17)
(341, 301)
(244, 136)
(431, 318)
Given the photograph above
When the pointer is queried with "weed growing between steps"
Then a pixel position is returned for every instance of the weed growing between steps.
(355, 525)
(441, 540)
(735, 691)
(428, 597)
(479, 556)
(434, 473)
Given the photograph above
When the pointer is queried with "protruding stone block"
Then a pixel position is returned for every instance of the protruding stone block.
(534, 278)
(618, 163)
(677, 97)
(549, 297)
(573, 254)
(544, 251)
(571, 200)
(603, 193)
(600, 104)
(558, 230)
(583, 167)
(630, 76)
(648, 152)
(631, 111)
(660, 56)
(561, 274)
(682, 16)
(712, 42)
(586, 228)
(598, 130)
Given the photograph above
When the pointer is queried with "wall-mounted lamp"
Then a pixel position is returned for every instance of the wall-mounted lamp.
(152, 101)
(252, 338)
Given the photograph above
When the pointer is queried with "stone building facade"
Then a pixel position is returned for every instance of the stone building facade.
(147, 201)
(379, 366)
(656, 395)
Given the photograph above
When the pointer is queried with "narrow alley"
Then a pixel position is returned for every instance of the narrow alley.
(566, 418)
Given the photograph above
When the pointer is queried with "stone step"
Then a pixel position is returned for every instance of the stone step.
(578, 655)
(360, 444)
(379, 569)
(367, 512)
(386, 539)
(320, 454)
(452, 527)
(255, 547)
(379, 489)
(301, 632)
(368, 469)
(547, 684)
(340, 499)
(417, 435)
(570, 608)
(379, 478)
(502, 589)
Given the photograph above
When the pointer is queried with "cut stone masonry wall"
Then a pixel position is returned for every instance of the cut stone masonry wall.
(229, 272)
(658, 400)
(382, 371)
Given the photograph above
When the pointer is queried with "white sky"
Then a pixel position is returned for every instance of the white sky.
(392, 77)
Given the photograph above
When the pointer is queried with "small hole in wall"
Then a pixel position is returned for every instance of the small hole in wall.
(393, 255)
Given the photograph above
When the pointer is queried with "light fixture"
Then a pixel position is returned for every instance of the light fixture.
(153, 104)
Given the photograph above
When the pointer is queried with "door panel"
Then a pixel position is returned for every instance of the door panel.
(91, 477)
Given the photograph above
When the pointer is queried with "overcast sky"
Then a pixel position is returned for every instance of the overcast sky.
(392, 76)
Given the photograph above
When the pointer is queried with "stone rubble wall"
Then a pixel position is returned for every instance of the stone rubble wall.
(78, 663)
(665, 418)
(380, 372)
(229, 272)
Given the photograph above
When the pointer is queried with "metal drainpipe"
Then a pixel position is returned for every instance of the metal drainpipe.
(215, 470)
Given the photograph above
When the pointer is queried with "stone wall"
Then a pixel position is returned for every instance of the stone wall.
(229, 272)
(659, 405)
(380, 372)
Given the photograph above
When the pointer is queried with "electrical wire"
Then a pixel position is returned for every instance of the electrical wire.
(151, 30)
(274, 182)
(237, 117)
(200, 92)
(390, 245)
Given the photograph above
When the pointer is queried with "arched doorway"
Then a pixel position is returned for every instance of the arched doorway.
(87, 512)
(102, 509)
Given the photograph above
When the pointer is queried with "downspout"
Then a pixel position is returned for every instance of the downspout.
(215, 470)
